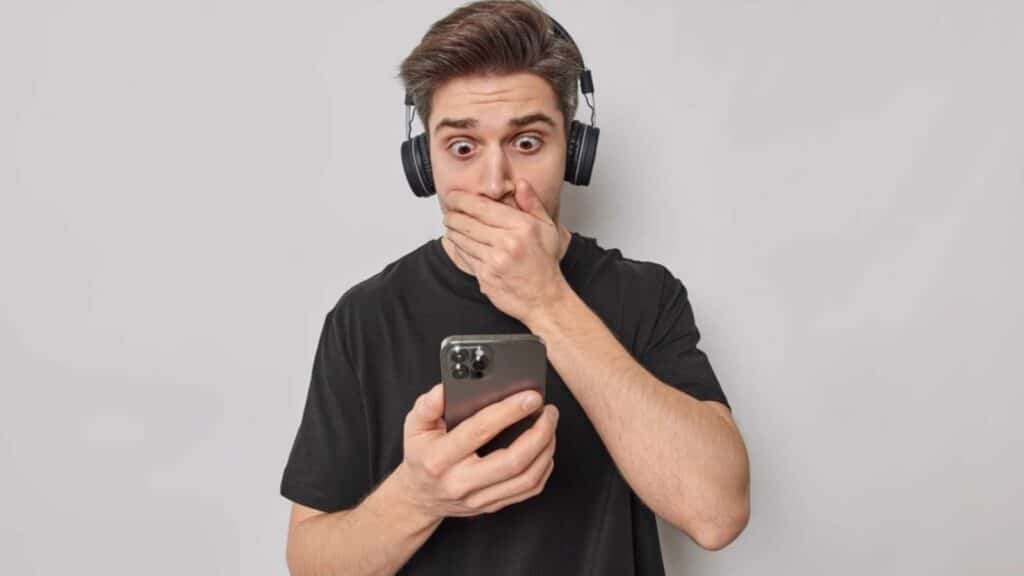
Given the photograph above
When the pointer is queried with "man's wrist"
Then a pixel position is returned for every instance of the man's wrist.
(556, 302)
(393, 501)
(561, 302)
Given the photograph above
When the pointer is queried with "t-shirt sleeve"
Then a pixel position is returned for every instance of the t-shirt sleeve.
(671, 353)
(329, 465)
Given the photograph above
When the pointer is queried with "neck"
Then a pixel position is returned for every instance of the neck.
(453, 251)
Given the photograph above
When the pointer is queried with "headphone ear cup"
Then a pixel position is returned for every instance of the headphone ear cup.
(423, 146)
(580, 153)
(571, 150)
(416, 164)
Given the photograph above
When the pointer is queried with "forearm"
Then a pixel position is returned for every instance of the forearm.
(376, 537)
(684, 460)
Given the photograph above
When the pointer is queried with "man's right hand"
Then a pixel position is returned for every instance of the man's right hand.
(441, 475)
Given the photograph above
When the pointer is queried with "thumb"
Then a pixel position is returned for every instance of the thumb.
(529, 202)
(428, 409)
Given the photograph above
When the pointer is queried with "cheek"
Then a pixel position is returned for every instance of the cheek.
(448, 176)
(544, 170)
(552, 172)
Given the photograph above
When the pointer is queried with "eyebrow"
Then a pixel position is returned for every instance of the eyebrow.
(518, 122)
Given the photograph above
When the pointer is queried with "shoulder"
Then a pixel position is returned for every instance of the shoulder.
(637, 276)
(374, 294)
(637, 296)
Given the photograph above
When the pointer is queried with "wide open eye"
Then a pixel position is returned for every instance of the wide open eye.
(529, 143)
(461, 148)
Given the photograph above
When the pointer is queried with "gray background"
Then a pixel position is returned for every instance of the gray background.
(187, 188)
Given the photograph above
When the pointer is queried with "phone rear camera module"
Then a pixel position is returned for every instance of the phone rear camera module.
(460, 371)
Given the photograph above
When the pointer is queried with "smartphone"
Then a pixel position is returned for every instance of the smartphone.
(480, 369)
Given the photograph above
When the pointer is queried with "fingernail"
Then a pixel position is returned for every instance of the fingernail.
(531, 402)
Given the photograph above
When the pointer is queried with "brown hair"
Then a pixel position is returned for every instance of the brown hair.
(492, 37)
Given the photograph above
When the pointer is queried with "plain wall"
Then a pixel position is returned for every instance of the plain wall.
(188, 187)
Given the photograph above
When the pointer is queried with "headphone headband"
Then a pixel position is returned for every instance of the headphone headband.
(586, 82)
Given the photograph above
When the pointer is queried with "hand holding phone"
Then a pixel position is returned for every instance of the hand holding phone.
(441, 475)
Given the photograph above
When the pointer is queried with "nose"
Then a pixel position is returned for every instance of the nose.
(496, 179)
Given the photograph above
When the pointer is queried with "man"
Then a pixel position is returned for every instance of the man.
(635, 424)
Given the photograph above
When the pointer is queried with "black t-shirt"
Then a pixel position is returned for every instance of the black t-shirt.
(378, 351)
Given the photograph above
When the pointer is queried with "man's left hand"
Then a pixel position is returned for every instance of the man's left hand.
(514, 254)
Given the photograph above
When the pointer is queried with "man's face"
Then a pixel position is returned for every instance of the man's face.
(488, 131)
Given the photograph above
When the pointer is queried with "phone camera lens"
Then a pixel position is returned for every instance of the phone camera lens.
(480, 361)
(458, 356)
(460, 371)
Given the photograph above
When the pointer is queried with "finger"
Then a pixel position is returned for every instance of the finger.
(526, 485)
(502, 464)
(528, 201)
(481, 427)
(488, 211)
(473, 228)
(468, 246)
(426, 411)
(473, 262)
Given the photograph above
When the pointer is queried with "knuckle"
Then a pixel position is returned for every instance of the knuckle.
(540, 476)
(513, 406)
(433, 467)
(473, 503)
(508, 411)
(525, 483)
(536, 488)
(454, 490)
(514, 246)
(541, 482)
(545, 421)
(420, 400)
(542, 438)
(517, 462)
(480, 433)
(544, 475)
(549, 449)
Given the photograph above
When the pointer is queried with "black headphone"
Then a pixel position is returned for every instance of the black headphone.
(581, 147)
